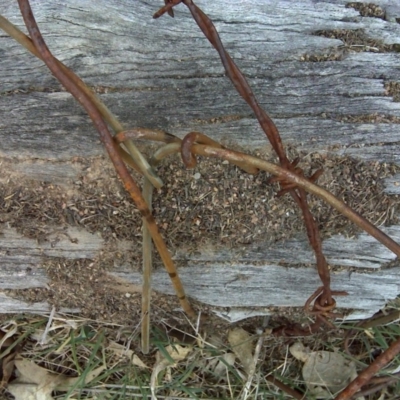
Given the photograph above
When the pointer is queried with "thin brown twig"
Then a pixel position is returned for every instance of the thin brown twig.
(299, 195)
(272, 133)
(320, 309)
(111, 148)
(291, 392)
(235, 157)
(373, 389)
(383, 379)
(363, 378)
(360, 221)
(75, 87)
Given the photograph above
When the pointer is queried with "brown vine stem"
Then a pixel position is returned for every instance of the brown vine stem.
(238, 158)
(243, 88)
(291, 392)
(365, 376)
(111, 147)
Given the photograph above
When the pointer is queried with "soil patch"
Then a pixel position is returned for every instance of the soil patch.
(215, 203)
(368, 9)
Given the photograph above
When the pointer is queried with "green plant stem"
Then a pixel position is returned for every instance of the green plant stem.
(147, 248)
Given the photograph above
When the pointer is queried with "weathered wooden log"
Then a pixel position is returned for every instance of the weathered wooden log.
(164, 74)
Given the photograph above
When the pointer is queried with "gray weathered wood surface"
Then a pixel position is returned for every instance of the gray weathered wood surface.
(164, 74)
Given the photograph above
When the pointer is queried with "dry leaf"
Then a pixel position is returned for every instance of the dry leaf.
(242, 346)
(177, 353)
(34, 382)
(5, 340)
(7, 366)
(5, 337)
(27, 391)
(222, 366)
(32, 373)
(37, 383)
(325, 373)
(67, 382)
(8, 360)
(60, 325)
(216, 365)
(122, 351)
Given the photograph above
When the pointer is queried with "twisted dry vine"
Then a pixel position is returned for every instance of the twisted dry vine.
(290, 177)
(323, 302)
(111, 147)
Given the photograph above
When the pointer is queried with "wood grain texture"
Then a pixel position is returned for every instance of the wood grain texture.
(270, 285)
(392, 184)
(362, 252)
(10, 305)
(164, 74)
(73, 243)
(248, 282)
